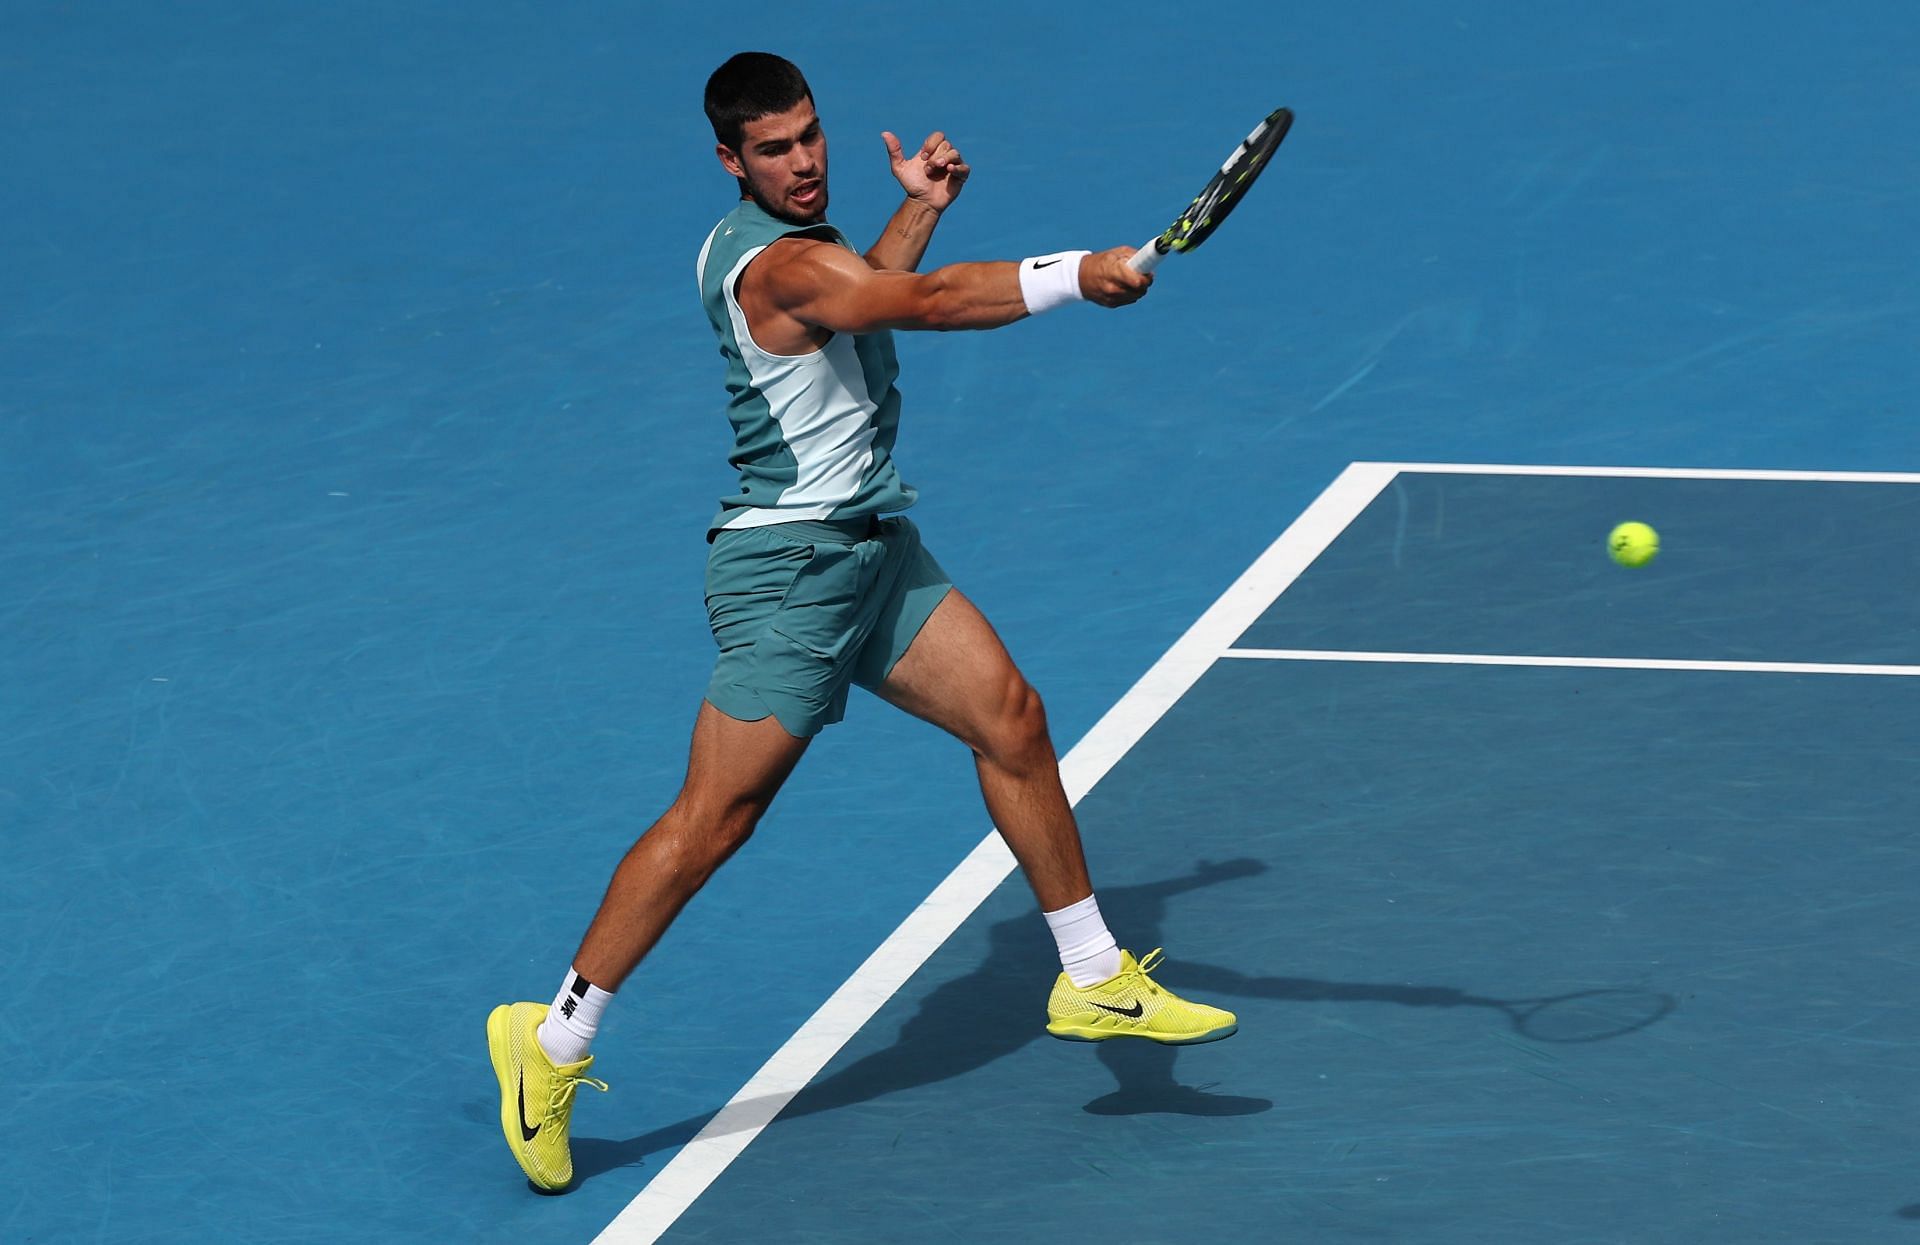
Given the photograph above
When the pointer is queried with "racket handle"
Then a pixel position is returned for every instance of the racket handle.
(1148, 257)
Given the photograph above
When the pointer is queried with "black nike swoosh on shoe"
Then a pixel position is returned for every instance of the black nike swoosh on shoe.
(526, 1133)
(1131, 1013)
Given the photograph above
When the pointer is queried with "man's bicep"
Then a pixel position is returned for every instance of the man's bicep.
(833, 288)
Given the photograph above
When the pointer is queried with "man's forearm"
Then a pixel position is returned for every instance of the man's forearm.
(904, 241)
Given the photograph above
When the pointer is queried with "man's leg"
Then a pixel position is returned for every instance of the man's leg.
(539, 1052)
(957, 675)
(733, 772)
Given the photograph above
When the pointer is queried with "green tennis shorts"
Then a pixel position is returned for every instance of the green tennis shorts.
(800, 610)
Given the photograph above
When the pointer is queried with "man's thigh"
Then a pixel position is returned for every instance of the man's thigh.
(957, 674)
(734, 763)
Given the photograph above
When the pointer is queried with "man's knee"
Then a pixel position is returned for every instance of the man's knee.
(717, 825)
(1018, 732)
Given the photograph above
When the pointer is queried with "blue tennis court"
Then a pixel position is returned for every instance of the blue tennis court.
(358, 431)
(1565, 946)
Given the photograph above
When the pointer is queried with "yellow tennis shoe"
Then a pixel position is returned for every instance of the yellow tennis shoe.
(1132, 1004)
(536, 1095)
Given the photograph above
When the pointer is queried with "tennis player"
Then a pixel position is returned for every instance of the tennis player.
(815, 581)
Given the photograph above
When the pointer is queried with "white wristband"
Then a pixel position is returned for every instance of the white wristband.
(1049, 281)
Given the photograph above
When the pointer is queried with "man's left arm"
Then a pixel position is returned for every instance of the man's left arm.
(932, 178)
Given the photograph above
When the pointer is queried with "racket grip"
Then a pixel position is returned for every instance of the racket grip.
(1147, 258)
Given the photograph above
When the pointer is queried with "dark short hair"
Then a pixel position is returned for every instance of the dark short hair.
(751, 85)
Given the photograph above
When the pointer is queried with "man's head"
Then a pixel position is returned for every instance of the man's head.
(768, 135)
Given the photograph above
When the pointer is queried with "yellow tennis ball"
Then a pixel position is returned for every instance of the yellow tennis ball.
(1633, 544)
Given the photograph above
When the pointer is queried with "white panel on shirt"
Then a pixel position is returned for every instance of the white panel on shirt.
(825, 413)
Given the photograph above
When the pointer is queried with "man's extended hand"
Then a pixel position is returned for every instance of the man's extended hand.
(934, 175)
(1106, 279)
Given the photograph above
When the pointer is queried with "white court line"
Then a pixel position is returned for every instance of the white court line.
(1656, 473)
(701, 1160)
(1591, 663)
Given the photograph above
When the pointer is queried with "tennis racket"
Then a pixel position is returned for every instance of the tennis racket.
(1222, 195)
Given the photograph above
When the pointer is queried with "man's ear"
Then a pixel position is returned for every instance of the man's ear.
(730, 160)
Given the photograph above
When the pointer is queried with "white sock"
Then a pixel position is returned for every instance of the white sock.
(1088, 953)
(573, 1019)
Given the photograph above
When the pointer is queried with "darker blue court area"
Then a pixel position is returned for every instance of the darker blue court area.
(358, 431)
(1749, 570)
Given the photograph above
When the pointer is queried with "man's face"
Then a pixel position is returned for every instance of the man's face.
(783, 160)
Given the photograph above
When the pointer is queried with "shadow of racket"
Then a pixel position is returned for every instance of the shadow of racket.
(1581, 1016)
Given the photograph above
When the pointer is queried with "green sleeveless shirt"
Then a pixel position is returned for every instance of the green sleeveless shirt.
(813, 433)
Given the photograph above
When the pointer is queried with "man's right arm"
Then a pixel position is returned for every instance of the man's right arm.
(827, 286)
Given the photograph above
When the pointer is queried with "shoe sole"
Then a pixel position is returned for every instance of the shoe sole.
(499, 1023)
(1075, 1033)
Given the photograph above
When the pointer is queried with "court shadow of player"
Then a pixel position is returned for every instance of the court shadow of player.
(1593, 1014)
(1147, 1086)
(970, 1021)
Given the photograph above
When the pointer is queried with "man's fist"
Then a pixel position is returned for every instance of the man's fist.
(1106, 279)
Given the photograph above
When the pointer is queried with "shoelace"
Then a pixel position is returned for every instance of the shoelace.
(560, 1094)
(1149, 962)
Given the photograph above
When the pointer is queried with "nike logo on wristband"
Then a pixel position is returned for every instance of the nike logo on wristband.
(1045, 263)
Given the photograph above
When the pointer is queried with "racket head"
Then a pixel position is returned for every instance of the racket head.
(1227, 187)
